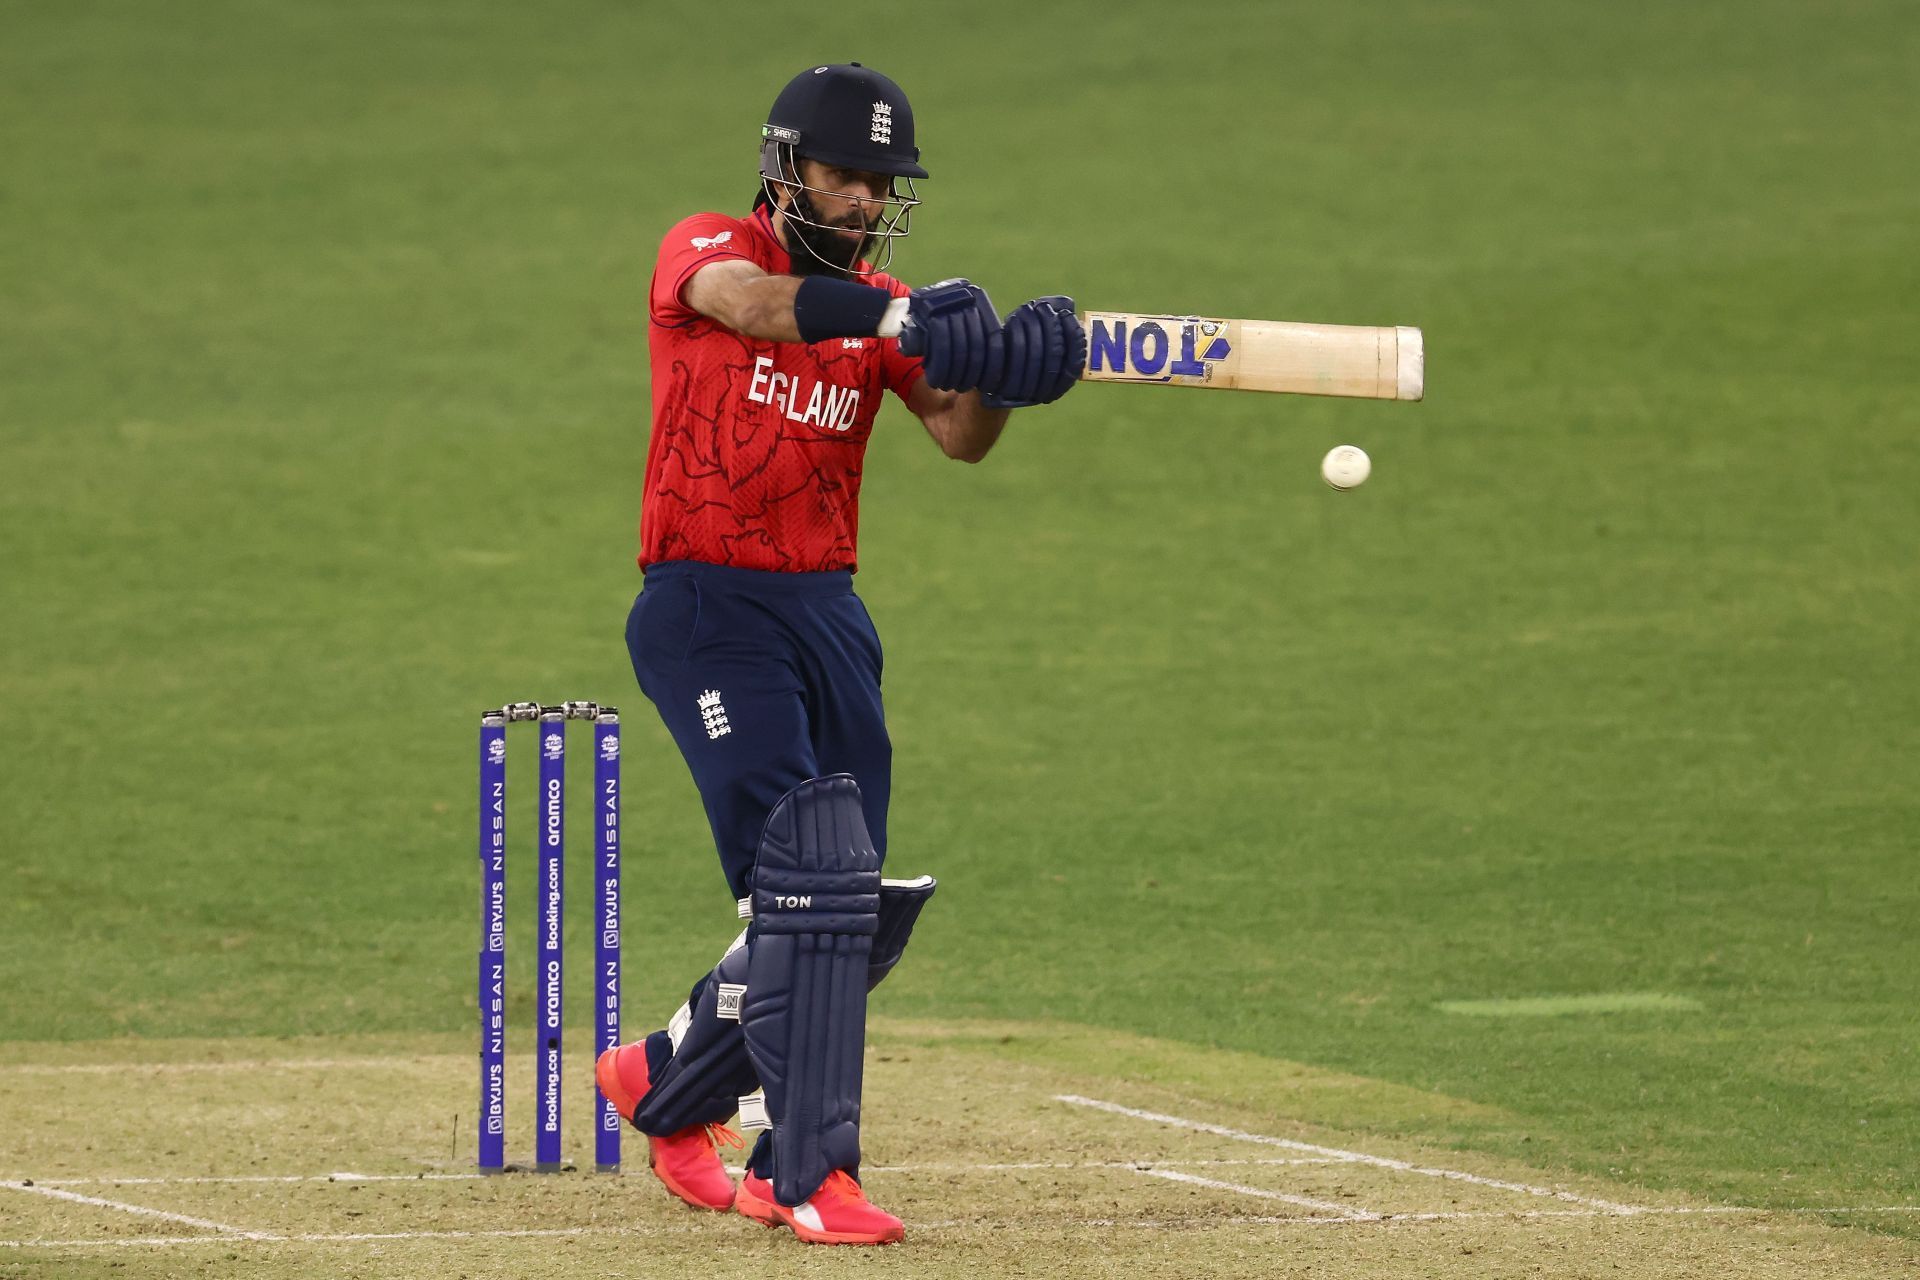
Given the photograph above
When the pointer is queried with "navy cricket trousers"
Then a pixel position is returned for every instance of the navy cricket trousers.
(764, 680)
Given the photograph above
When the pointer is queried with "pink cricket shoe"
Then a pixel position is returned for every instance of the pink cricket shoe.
(838, 1213)
(688, 1162)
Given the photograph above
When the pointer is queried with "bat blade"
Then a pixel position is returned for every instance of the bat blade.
(1387, 363)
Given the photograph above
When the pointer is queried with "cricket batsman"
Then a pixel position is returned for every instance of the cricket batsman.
(772, 338)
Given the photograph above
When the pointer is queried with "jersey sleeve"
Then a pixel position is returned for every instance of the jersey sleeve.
(900, 372)
(691, 244)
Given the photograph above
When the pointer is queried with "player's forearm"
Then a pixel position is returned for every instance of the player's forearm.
(759, 307)
(780, 308)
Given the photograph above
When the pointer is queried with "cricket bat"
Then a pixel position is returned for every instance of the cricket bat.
(1256, 355)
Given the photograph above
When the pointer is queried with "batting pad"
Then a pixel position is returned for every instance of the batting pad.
(816, 908)
(900, 903)
(709, 1068)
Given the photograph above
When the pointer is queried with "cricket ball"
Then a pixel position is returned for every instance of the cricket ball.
(1346, 467)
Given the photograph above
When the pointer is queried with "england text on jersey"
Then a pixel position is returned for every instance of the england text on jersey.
(757, 446)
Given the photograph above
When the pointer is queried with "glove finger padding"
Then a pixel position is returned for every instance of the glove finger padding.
(935, 365)
(942, 354)
(1066, 348)
(1076, 360)
(988, 321)
(1045, 348)
(1054, 355)
(953, 344)
(1040, 342)
(952, 326)
(931, 312)
(1019, 333)
(994, 366)
(972, 347)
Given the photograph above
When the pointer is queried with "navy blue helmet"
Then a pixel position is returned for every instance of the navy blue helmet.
(850, 117)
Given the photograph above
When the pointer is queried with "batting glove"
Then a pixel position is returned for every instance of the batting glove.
(1045, 350)
(953, 326)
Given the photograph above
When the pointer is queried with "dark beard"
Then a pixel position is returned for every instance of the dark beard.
(840, 256)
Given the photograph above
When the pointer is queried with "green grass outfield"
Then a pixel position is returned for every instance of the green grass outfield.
(323, 402)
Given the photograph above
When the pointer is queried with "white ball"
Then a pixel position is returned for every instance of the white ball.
(1346, 467)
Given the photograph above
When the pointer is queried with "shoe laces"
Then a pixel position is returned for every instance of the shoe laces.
(841, 1186)
(721, 1136)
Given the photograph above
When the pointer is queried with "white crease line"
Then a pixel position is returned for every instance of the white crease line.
(1464, 1215)
(1016, 1166)
(323, 1237)
(1353, 1212)
(1136, 1165)
(438, 1062)
(1142, 1224)
(287, 1179)
(1355, 1157)
(735, 1170)
(191, 1180)
(204, 1224)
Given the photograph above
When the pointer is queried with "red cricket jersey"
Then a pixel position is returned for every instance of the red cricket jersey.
(757, 446)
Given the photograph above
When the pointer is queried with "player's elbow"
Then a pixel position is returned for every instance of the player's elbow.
(958, 436)
(971, 451)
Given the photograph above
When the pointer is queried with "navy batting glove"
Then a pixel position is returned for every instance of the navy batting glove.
(1045, 350)
(954, 327)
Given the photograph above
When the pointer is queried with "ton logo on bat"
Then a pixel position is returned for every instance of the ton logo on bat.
(1150, 353)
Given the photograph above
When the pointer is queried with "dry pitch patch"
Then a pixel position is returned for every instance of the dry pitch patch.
(1009, 1150)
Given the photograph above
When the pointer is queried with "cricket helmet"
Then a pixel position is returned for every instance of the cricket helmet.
(846, 115)
(851, 117)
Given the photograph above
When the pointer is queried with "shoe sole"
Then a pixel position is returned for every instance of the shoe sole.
(810, 1236)
(772, 1215)
(755, 1210)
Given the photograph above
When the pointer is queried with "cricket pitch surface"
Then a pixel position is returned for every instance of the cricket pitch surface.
(1009, 1149)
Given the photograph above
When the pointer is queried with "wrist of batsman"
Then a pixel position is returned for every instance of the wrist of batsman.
(825, 308)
